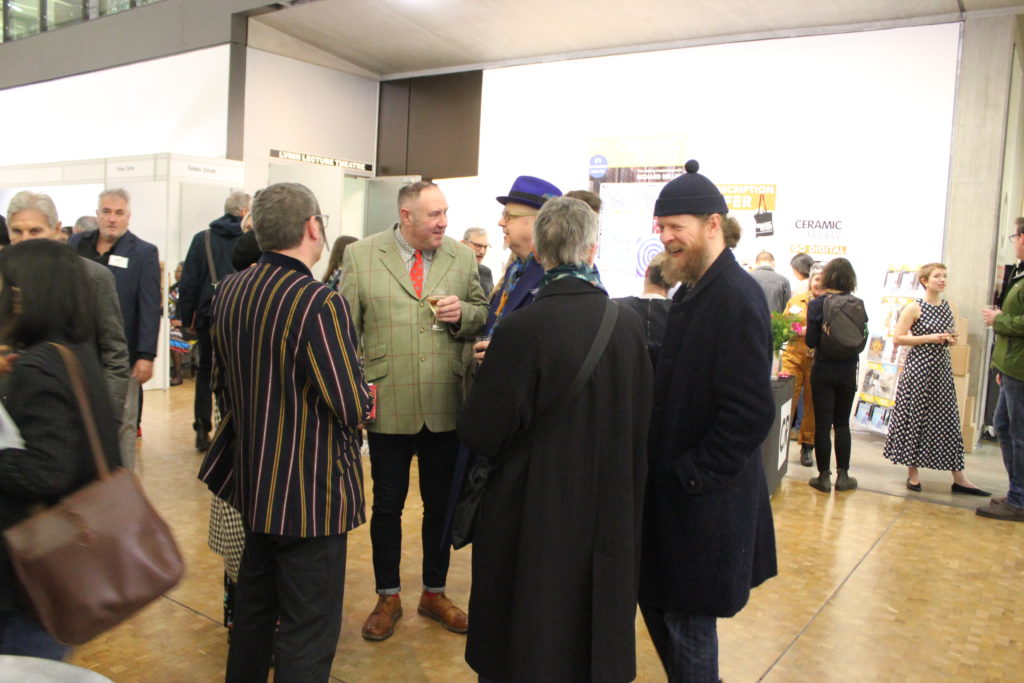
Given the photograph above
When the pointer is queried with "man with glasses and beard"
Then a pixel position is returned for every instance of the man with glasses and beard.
(708, 536)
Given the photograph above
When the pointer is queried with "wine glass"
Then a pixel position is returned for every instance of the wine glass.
(433, 299)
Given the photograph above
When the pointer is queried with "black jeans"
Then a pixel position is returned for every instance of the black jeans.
(390, 458)
(832, 390)
(203, 406)
(302, 582)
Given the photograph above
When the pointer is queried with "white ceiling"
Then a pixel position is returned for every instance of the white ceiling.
(396, 38)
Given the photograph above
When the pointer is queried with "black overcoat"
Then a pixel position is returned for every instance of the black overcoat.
(556, 547)
(708, 532)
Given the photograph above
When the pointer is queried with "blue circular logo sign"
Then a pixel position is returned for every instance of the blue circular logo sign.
(598, 166)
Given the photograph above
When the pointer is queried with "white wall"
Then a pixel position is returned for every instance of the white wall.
(175, 104)
(853, 127)
(300, 107)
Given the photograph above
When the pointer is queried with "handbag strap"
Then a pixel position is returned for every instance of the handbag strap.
(597, 347)
(78, 387)
(209, 259)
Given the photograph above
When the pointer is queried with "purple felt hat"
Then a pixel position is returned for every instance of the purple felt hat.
(530, 191)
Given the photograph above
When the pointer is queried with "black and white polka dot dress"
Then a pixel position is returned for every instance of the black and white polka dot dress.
(924, 430)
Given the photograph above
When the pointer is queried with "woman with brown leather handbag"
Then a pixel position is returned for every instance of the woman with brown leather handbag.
(44, 298)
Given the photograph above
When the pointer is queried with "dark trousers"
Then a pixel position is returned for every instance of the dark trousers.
(832, 390)
(390, 458)
(203, 405)
(687, 644)
(302, 582)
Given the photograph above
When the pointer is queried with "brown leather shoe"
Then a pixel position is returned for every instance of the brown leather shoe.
(381, 622)
(438, 607)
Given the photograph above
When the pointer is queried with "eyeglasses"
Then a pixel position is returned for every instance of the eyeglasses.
(323, 218)
(1011, 238)
(477, 245)
(506, 216)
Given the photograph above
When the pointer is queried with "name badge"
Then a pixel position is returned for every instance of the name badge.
(118, 261)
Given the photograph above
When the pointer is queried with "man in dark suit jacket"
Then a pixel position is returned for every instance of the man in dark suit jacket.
(476, 239)
(195, 292)
(135, 264)
(708, 534)
(288, 379)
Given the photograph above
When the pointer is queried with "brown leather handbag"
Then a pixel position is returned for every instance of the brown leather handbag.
(100, 554)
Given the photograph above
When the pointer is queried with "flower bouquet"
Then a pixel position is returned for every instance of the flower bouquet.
(784, 328)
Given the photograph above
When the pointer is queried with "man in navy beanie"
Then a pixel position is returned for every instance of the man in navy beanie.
(708, 536)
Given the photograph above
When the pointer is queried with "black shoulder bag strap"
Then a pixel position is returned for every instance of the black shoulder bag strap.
(476, 481)
(214, 280)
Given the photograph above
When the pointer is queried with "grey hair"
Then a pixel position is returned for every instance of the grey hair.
(412, 191)
(235, 202)
(474, 231)
(564, 231)
(115, 192)
(33, 201)
(86, 224)
(279, 215)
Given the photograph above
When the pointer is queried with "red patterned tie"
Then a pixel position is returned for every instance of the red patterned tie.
(416, 273)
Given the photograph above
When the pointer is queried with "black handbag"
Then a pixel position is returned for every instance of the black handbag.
(473, 490)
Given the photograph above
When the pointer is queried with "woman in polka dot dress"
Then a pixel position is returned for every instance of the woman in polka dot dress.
(925, 427)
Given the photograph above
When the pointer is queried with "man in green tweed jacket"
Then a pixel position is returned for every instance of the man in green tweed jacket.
(387, 279)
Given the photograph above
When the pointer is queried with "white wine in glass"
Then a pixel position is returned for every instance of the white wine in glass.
(433, 299)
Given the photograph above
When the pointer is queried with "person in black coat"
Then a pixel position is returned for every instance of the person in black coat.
(55, 458)
(195, 292)
(708, 532)
(556, 545)
(652, 306)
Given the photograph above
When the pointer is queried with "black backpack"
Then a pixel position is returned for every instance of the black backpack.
(844, 329)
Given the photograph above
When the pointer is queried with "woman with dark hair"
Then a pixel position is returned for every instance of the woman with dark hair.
(925, 427)
(44, 301)
(332, 276)
(833, 382)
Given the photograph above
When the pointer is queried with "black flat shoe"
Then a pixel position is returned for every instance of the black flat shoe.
(914, 487)
(957, 488)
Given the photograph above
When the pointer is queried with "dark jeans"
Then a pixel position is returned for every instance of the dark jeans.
(390, 458)
(1008, 421)
(203, 406)
(302, 582)
(832, 390)
(22, 635)
(686, 643)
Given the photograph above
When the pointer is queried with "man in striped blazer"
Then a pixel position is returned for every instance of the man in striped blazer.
(287, 451)
(388, 280)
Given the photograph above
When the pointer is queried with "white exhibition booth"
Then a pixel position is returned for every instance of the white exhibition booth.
(173, 197)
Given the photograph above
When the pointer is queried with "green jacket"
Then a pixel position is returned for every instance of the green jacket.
(1008, 356)
(418, 371)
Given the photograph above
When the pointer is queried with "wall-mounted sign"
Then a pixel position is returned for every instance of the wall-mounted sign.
(210, 170)
(130, 168)
(321, 160)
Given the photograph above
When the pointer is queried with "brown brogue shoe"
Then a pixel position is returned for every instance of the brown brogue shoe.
(438, 607)
(381, 622)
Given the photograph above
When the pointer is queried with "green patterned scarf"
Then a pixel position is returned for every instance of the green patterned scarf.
(579, 270)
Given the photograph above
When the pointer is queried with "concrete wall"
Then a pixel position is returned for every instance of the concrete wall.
(976, 174)
(158, 30)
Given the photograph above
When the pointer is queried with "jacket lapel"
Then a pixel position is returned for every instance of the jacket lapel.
(391, 259)
(444, 257)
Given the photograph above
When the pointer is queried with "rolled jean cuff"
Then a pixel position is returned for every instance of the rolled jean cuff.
(434, 590)
(389, 591)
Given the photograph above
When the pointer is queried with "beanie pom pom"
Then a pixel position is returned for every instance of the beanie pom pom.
(692, 166)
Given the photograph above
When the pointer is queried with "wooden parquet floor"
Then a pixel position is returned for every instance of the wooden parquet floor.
(872, 586)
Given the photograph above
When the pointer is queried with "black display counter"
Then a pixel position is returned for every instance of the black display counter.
(775, 449)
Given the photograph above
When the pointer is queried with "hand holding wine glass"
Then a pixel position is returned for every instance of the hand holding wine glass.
(434, 300)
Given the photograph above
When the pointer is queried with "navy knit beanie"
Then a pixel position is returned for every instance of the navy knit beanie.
(691, 194)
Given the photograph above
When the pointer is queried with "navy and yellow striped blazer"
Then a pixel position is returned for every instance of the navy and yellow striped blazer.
(291, 391)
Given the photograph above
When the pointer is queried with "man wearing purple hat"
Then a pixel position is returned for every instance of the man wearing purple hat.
(523, 275)
(708, 536)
